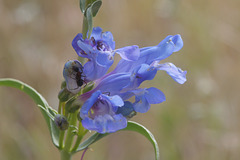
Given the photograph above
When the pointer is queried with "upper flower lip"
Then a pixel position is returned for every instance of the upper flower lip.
(154, 53)
(100, 51)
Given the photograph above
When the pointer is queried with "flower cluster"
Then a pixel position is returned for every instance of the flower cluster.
(106, 108)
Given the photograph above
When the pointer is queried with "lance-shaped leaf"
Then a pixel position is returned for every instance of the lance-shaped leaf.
(89, 20)
(132, 126)
(47, 112)
(82, 4)
(95, 7)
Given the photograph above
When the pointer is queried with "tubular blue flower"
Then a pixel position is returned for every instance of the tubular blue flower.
(100, 51)
(127, 110)
(104, 113)
(99, 113)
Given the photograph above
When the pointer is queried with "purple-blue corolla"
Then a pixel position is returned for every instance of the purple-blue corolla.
(99, 113)
(99, 49)
(107, 106)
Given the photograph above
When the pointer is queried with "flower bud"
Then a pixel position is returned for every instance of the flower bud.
(64, 95)
(63, 84)
(61, 122)
(88, 87)
(127, 110)
(72, 105)
(79, 117)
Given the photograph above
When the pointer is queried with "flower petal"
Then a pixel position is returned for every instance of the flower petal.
(149, 54)
(176, 73)
(154, 95)
(126, 110)
(129, 53)
(105, 124)
(141, 104)
(80, 47)
(116, 101)
(104, 59)
(178, 42)
(93, 70)
(114, 83)
(88, 104)
(140, 74)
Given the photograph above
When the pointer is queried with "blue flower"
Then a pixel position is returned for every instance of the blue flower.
(107, 107)
(100, 51)
(99, 113)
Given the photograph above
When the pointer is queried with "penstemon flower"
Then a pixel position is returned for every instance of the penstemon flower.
(100, 51)
(92, 98)
(100, 112)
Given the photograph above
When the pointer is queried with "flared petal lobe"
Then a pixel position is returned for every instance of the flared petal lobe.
(145, 97)
(176, 73)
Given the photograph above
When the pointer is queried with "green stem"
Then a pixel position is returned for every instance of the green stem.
(84, 27)
(65, 155)
(59, 107)
(70, 135)
(61, 138)
(81, 133)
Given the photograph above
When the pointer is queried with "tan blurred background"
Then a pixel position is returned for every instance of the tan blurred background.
(199, 121)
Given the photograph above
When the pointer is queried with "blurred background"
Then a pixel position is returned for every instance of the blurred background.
(200, 120)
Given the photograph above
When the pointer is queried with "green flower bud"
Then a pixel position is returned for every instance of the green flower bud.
(72, 105)
(63, 85)
(88, 87)
(64, 95)
(61, 122)
(78, 117)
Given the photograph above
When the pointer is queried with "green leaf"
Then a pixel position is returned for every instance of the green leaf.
(47, 112)
(95, 7)
(89, 21)
(82, 4)
(88, 142)
(132, 126)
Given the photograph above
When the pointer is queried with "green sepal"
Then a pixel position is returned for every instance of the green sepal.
(47, 112)
(132, 126)
(88, 87)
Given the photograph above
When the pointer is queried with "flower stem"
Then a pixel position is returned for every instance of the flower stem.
(65, 155)
(66, 152)
(61, 138)
(81, 133)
